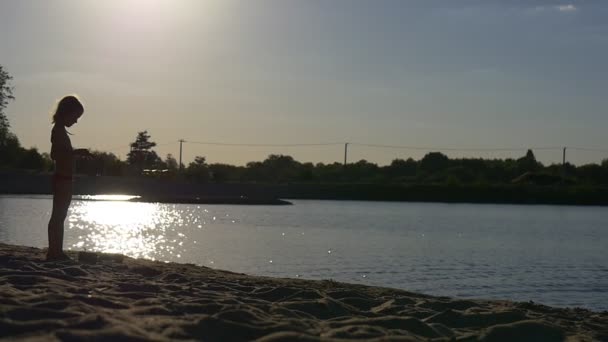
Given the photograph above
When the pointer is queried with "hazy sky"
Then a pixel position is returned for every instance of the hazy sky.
(458, 74)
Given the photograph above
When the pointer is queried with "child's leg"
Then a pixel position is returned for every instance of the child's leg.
(62, 196)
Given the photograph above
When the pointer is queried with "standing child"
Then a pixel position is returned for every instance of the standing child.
(68, 111)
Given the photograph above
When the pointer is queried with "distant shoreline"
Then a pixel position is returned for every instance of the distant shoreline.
(257, 193)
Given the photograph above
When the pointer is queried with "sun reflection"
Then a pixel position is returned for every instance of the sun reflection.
(118, 213)
(109, 197)
(141, 230)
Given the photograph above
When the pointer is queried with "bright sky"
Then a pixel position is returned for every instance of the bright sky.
(457, 74)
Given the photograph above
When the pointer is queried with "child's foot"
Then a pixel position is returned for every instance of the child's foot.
(60, 256)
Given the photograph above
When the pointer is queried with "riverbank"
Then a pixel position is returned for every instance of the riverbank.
(240, 200)
(117, 297)
(174, 190)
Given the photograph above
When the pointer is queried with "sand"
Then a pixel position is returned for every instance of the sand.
(139, 300)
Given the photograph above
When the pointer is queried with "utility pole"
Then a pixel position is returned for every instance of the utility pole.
(564, 166)
(345, 153)
(181, 141)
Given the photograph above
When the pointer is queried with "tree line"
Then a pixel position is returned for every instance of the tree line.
(433, 168)
(12, 154)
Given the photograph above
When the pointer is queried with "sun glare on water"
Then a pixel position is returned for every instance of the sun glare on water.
(109, 197)
(112, 213)
(140, 230)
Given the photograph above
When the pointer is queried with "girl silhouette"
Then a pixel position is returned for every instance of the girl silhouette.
(69, 110)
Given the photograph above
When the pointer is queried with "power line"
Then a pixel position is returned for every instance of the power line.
(116, 148)
(406, 147)
(129, 145)
(456, 148)
(167, 143)
(261, 145)
(403, 147)
(588, 149)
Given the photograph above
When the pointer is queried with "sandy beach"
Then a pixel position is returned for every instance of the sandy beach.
(120, 298)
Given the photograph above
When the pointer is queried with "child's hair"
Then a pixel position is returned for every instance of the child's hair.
(66, 104)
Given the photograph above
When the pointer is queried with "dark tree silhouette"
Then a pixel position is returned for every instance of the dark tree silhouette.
(101, 164)
(171, 163)
(10, 149)
(141, 155)
(591, 173)
(198, 169)
(6, 94)
(361, 171)
(434, 162)
(280, 167)
(400, 168)
(226, 173)
(31, 159)
(528, 163)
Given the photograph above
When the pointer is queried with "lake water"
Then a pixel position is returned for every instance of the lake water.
(555, 255)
